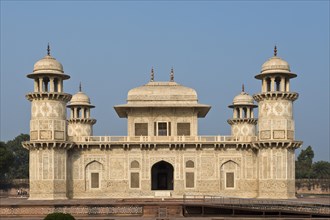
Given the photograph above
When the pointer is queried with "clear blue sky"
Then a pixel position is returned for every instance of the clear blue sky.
(214, 47)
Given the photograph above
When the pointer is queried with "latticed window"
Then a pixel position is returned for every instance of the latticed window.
(230, 180)
(183, 129)
(190, 180)
(135, 180)
(141, 129)
(95, 180)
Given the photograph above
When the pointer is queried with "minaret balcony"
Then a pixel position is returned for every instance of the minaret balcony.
(292, 96)
(233, 121)
(82, 120)
(48, 95)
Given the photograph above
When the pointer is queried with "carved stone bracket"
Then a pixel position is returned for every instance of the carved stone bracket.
(43, 145)
(48, 95)
(292, 96)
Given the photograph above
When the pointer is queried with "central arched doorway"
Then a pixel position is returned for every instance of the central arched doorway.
(162, 176)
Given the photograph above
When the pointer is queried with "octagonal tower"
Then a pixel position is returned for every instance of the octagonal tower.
(80, 122)
(276, 130)
(48, 130)
(243, 123)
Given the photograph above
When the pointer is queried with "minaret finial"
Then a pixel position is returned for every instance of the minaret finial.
(80, 87)
(152, 75)
(172, 75)
(275, 51)
(243, 87)
(48, 50)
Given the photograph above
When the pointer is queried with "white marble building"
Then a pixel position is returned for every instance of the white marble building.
(162, 154)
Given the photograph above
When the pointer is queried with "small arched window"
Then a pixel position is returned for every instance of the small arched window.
(190, 164)
(238, 113)
(135, 164)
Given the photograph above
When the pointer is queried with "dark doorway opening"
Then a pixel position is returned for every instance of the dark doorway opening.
(162, 176)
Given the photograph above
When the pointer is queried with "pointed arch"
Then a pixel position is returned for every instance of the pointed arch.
(93, 175)
(162, 176)
(229, 173)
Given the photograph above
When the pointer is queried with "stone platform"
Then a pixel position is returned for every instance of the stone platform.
(197, 208)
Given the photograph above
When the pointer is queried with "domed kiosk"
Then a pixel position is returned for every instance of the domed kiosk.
(243, 123)
(80, 123)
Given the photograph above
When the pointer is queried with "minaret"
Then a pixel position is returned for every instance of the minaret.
(243, 123)
(276, 130)
(48, 130)
(80, 123)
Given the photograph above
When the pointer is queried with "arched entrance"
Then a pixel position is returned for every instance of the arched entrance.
(162, 176)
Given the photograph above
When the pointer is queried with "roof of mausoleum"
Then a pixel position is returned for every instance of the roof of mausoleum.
(160, 95)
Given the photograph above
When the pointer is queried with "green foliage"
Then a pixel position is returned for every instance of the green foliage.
(18, 168)
(6, 160)
(321, 170)
(59, 216)
(304, 163)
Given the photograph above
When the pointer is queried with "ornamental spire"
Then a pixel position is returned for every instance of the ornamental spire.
(275, 51)
(80, 87)
(48, 50)
(152, 75)
(243, 87)
(172, 75)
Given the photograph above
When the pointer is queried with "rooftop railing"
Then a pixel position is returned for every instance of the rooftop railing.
(143, 139)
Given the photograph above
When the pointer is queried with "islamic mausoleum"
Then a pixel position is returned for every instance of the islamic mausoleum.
(162, 156)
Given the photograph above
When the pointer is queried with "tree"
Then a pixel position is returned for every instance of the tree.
(20, 165)
(304, 163)
(6, 160)
(59, 216)
(321, 170)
